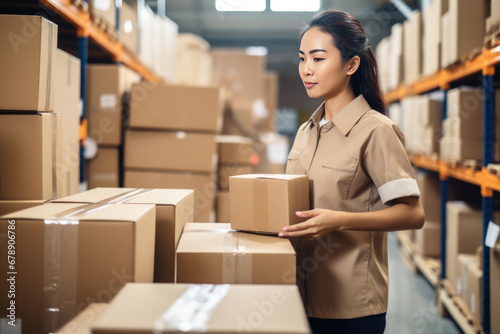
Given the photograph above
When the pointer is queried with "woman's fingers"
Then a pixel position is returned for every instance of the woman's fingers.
(307, 213)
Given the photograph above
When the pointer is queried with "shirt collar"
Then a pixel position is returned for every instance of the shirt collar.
(347, 117)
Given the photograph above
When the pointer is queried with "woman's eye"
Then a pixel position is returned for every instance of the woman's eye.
(301, 59)
(318, 59)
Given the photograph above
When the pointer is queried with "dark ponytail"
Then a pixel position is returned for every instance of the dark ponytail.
(350, 38)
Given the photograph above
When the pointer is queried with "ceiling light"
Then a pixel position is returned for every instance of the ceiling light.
(240, 5)
(295, 5)
(256, 51)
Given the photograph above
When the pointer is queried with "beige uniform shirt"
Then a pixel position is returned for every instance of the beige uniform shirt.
(357, 163)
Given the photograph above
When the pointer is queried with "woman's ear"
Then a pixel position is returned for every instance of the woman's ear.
(353, 65)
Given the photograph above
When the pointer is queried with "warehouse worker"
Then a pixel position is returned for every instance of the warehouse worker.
(362, 182)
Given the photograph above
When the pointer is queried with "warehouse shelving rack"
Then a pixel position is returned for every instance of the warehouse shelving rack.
(485, 64)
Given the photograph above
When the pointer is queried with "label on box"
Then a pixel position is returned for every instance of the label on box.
(9, 326)
(492, 234)
(108, 101)
(103, 5)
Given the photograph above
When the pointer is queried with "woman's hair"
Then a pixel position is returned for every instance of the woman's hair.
(350, 39)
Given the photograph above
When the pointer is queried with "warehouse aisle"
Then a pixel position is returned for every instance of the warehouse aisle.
(411, 300)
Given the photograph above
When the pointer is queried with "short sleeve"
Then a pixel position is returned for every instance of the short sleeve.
(386, 163)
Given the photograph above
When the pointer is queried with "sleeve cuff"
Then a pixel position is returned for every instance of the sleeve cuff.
(398, 188)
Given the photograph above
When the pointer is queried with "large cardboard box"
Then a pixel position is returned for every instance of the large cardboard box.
(105, 10)
(475, 289)
(222, 206)
(13, 206)
(215, 254)
(267, 202)
(106, 85)
(194, 61)
(495, 286)
(70, 255)
(432, 31)
(128, 27)
(173, 209)
(27, 63)
(428, 238)
(203, 185)
(82, 322)
(176, 107)
(174, 151)
(219, 309)
(228, 170)
(104, 169)
(67, 103)
(412, 29)
(234, 149)
(430, 194)
(30, 151)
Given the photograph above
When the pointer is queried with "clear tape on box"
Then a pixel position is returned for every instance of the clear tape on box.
(236, 261)
(122, 198)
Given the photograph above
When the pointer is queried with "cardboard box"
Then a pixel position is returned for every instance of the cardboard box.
(174, 151)
(222, 206)
(30, 151)
(128, 27)
(7, 207)
(104, 169)
(105, 10)
(271, 88)
(495, 286)
(234, 149)
(27, 63)
(173, 209)
(396, 76)
(216, 254)
(412, 30)
(430, 194)
(475, 289)
(266, 202)
(203, 185)
(428, 239)
(446, 40)
(83, 262)
(228, 170)
(465, 108)
(139, 307)
(82, 322)
(194, 61)
(432, 31)
(176, 108)
(462, 149)
(67, 103)
(106, 85)
(462, 262)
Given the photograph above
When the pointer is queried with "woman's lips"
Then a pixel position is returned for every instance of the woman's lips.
(309, 85)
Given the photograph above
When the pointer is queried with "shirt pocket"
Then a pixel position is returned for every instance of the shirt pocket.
(293, 165)
(340, 169)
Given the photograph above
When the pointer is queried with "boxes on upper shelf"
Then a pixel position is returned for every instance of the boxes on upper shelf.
(194, 61)
(412, 29)
(267, 202)
(103, 10)
(396, 75)
(432, 31)
(176, 107)
(77, 253)
(104, 169)
(128, 27)
(213, 253)
(27, 63)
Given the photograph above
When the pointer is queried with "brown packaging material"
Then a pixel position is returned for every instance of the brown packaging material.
(30, 151)
(67, 103)
(234, 149)
(430, 194)
(222, 206)
(462, 263)
(432, 31)
(396, 75)
(104, 169)
(271, 87)
(267, 202)
(106, 85)
(475, 289)
(87, 252)
(228, 170)
(495, 287)
(194, 61)
(412, 29)
(27, 63)
(176, 107)
(203, 185)
(128, 27)
(173, 209)
(82, 322)
(427, 238)
(146, 308)
(13, 206)
(213, 253)
(104, 10)
(174, 151)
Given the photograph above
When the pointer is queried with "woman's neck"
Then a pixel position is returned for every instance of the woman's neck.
(335, 104)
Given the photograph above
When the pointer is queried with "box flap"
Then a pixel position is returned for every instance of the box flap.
(269, 176)
(93, 196)
(264, 244)
(161, 197)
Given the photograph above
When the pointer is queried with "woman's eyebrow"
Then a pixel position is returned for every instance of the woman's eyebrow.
(313, 51)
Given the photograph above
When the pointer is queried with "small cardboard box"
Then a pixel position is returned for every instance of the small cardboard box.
(428, 240)
(267, 202)
(30, 151)
(213, 253)
(230, 309)
(234, 149)
(495, 286)
(27, 63)
(228, 170)
(172, 107)
(174, 207)
(222, 206)
(128, 27)
(70, 255)
(13, 206)
(82, 322)
(104, 169)
(204, 187)
(173, 151)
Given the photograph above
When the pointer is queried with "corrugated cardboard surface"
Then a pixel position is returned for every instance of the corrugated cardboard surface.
(138, 306)
(227, 170)
(234, 149)
(427, 238)
(173, 209)
(115, 245)
(176, 107)
(267, 203)
(430, 194)
(103, 170)
(128, 27)
(173, 151)
(13, 206)
(82, 322)
(30, 151)
(223, 207)
(194, 61)
(27, 63)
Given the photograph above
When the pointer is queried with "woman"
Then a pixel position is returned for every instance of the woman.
(362, 182)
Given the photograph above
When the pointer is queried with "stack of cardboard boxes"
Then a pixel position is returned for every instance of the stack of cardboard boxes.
(108, 94)
(171, 141)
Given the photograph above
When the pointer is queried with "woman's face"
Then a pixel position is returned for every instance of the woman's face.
(320, 66)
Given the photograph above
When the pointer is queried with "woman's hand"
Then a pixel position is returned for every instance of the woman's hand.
(320, 223)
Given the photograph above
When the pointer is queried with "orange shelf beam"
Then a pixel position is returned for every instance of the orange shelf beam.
(397, 94)
(69, 12)
(424, 162)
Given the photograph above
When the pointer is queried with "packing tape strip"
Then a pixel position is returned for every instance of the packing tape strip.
(60, 266)
(260, 203)
(192, 310)
(236, 260)
(128, 196)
